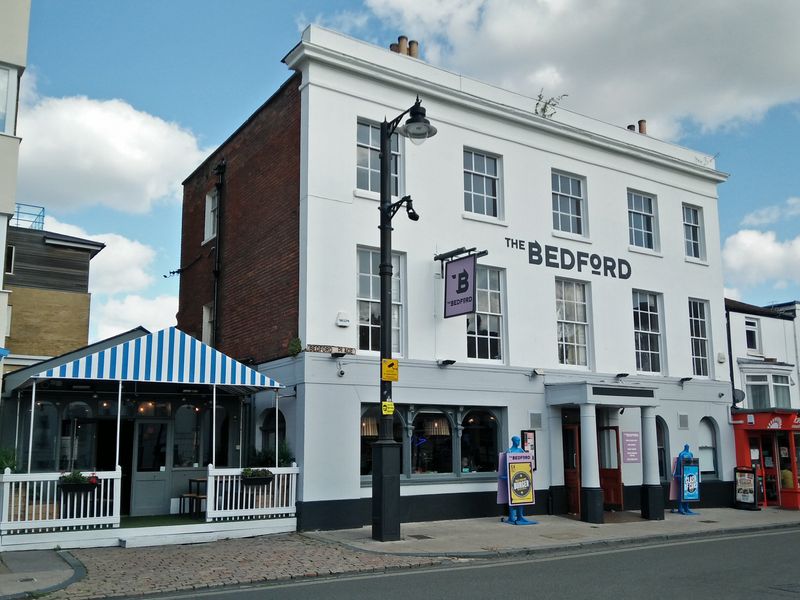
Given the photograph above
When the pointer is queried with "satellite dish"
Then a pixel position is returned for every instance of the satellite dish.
(738, 396)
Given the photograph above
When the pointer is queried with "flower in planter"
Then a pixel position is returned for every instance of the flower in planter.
(76, 477)
(249, 473)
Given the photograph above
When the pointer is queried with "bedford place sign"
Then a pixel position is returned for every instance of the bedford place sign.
(566, 259)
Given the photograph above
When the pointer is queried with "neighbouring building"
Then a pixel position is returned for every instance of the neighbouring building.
(47, 277)
(599, 325)
(766, 420)
(14, 17)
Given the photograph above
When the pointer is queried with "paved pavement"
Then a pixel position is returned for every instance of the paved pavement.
(116, 572)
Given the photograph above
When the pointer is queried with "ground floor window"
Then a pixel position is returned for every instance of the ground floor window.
(707, 446)
(437, 440)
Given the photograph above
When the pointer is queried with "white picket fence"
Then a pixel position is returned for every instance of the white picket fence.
(230, 499)
(35, 502)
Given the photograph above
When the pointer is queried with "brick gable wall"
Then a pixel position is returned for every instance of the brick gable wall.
(260, 256)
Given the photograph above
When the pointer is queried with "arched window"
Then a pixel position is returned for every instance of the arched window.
(77, 437)
(268, 430)
(479, 442)
(432, 443)
(707, 447)
(662, 442)
(187, 436)
(370, 423)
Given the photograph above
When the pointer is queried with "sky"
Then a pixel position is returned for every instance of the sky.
(122, 99)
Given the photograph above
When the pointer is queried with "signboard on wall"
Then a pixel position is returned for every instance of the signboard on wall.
(631, 447)
(745, 495)
(459, 286)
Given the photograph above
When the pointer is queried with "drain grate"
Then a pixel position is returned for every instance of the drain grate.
(421, 536)
(707, 521)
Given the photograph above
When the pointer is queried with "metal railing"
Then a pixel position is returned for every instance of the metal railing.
(230, 497)
(28, 216)
(39, 502)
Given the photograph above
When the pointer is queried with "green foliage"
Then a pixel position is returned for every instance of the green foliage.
(266, 457)
(295, 346)
(8, 459)
(547, 108)
(74, 477)
(248, 472)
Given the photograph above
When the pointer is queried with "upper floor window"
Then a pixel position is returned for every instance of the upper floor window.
(368, 162)
(698, 336)
(572, 320)
(8, 99)
(752, 335)
(693, 231)
(481, 183)
(647, 331)
(484, 327)
(760, 394)
(642, 220)
(369, 301)
(10, 252)
(212, 208)
(568, 204)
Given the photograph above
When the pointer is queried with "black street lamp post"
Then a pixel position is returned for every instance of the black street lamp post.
(386, 452)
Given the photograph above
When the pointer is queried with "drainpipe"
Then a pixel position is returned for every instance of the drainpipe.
(219, 171)
(730, 353)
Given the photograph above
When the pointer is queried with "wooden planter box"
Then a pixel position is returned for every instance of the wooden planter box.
(77, 488)
(254, 481)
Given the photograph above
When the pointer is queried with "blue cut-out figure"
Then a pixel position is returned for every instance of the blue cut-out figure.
(683, 507)
(516, 514)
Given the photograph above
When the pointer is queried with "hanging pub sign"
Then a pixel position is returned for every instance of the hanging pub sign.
(519, 467)
(459, 286)
(690, 480)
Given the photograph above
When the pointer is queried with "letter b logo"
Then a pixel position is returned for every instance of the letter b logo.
(463, 282)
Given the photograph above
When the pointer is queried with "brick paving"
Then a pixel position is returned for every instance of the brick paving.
(135, 571)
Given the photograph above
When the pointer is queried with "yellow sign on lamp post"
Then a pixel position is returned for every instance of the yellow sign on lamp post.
(390, 369)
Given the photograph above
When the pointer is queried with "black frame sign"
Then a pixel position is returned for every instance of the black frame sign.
(745, 488)
(459, 286)
(528, 439)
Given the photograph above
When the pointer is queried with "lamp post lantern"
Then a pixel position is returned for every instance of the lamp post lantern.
(386, 452)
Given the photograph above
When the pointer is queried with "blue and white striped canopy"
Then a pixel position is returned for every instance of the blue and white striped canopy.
(166, 356)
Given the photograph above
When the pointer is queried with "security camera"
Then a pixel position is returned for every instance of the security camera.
(340, 372)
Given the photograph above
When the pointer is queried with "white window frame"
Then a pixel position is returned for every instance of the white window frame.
(767, 379)
(699, 342)
(638, 217)
(752, 325)
(698, 228)
(9, 310)
(8, 104)
(207, 333)
(564, 323)
(472, 175)
(373, 152)
(484, 300)
(708, 448)
(580, 200)
(641, 333)
(372, 279)
(211, 214)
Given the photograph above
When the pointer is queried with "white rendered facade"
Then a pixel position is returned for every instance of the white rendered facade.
(14, 17)
(521, 381)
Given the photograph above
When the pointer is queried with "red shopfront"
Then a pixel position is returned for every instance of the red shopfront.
(769, 442)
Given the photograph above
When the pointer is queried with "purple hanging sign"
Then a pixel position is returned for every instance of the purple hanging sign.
(459, 286)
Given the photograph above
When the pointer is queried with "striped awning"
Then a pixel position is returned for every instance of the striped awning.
(166, 356)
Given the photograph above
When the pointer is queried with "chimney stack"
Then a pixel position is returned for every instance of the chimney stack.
(631, 127)
(402, 44)
(394, 47)
(413, 49)
(642, 126)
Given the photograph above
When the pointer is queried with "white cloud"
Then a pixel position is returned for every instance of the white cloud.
(715, 63)
(116, 316)
(732, 293)
(345, 21)
(80, 152)
(773, 213)
(753, 258)
(121, 267)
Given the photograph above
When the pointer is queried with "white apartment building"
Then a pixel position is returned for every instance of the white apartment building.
(600, 322)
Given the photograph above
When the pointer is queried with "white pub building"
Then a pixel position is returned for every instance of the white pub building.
(599, 331)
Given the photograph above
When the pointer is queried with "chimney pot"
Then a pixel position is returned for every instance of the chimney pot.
(394, 47)
(631, 127)
(643, 126)
(413, 48)
(402, 44)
